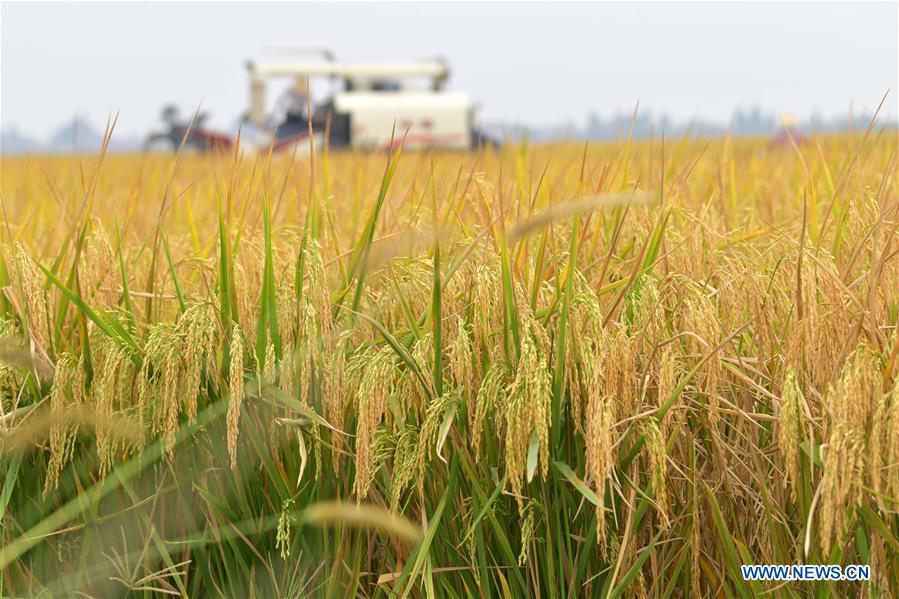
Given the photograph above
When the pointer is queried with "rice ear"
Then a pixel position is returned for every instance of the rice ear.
(790, 427)
(36, 303)
(527, 411)
(235, 391)
(372, 395)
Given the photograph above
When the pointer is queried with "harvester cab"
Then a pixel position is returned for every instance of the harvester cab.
(366, 105)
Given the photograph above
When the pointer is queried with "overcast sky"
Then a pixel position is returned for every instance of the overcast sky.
(536, 63)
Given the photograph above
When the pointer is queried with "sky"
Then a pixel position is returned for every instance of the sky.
(532, 63)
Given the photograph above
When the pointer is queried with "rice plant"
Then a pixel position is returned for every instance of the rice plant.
(552, 371)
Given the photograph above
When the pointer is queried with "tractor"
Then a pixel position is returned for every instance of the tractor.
(191, 132)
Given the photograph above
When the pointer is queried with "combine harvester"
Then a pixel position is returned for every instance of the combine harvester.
(368, 106)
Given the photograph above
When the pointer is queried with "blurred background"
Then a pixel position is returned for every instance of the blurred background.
(555, 71)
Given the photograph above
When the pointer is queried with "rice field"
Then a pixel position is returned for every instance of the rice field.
(614, 370)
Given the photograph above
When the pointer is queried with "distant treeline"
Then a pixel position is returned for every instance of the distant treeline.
(747, 123)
